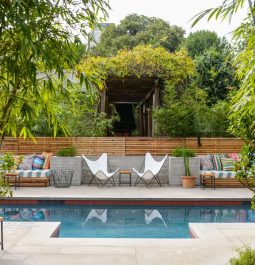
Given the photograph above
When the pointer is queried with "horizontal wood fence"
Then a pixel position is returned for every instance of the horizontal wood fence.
(121, 146)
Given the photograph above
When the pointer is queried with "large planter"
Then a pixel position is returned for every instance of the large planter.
(188, 181)
(73, 163)
(177, 170)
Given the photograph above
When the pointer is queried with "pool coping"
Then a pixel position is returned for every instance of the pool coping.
(126, 201)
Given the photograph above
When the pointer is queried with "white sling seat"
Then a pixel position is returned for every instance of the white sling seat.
(151, 170)
(150, 215)
(100, 214)
(99, 169)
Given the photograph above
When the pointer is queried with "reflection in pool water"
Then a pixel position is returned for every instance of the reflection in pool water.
(128, 222)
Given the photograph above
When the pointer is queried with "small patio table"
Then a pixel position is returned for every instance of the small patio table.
(15, 176)
(124, 172)
(205, 176)
(62, 178)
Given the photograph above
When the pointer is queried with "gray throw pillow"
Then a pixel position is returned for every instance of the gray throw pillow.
(27, 162)
(206, 162)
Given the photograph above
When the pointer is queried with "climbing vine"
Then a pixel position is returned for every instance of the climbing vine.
(142, 61)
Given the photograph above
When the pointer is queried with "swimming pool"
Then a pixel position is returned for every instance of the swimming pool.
(127, 221)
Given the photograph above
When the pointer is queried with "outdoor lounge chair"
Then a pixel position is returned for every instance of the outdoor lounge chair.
(100, 214)
(99, 169)
(151, 170)
(150, 215)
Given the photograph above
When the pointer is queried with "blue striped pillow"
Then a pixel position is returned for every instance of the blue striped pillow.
(38, 162)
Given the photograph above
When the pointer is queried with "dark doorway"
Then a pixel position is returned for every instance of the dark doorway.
(127, 120)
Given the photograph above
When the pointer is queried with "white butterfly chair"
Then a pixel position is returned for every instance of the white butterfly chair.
(99, 169)
(151, 170)
(100, 214)
(150, 215)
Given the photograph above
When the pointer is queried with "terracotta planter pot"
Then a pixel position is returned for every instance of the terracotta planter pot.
(188, 181)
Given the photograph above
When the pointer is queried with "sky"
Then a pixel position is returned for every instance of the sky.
(176, 12)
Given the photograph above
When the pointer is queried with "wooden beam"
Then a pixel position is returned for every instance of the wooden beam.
(156, 97)
(103, 100)
(149, 120)
(148, 95)
(141, 120)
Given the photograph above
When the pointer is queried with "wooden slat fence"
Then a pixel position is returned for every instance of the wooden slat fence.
(121, 146)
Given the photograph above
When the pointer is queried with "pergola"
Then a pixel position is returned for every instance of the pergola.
(144, 92)
(135, 77)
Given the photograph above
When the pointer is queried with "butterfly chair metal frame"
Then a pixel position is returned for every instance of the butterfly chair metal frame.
(150, 172)
(101, 172)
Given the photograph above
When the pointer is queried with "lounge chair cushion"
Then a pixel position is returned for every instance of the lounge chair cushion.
(234, 156)
(38, 162)
(206, 162)
(228, 164)
(47, 157)
(217, 162)
(34, 173)
(27, 162)
(220, 174)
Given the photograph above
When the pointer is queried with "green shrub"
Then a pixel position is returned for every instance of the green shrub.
(8, 162)
(67, 151)
(183, 152)
(5, 190)
(183, 113)
(246, 256)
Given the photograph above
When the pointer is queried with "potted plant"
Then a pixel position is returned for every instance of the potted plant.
(188, 181)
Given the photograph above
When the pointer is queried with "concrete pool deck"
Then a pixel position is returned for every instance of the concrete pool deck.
(140, 193)
(31, 243)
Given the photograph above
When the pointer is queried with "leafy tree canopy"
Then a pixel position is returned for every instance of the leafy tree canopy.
(137, 29)
(142, 61)
(243, 102)
(200, 41)
(82, 118)
(216, 73)
(187, 114)
(213, 59)
(39, 41)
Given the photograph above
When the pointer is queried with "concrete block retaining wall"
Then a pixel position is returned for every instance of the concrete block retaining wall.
(170, 173)
(73, 163)
(177, 170)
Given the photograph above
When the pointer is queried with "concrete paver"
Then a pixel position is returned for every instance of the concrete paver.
(166, 192)
(214, 246)
(80, 259)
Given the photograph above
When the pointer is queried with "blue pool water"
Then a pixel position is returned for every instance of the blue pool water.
(127, 222)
